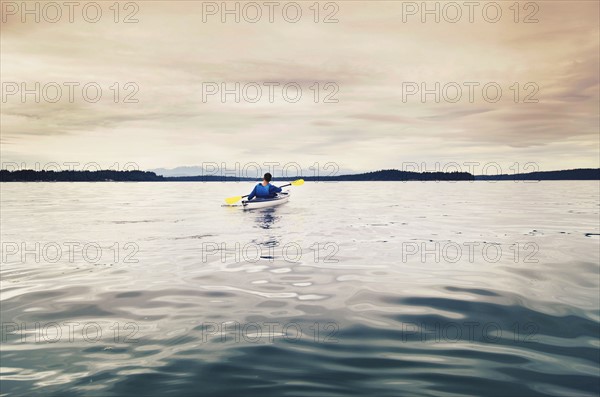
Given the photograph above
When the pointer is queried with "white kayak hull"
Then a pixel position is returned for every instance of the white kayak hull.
(257, 203)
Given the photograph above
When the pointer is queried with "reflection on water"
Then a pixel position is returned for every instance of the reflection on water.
(421, 289)
(265, 217)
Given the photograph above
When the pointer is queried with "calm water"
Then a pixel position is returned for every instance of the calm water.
(380, 289)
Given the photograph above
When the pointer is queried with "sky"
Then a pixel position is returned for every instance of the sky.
(369, 63)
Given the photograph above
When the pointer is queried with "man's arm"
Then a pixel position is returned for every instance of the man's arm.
(274, 189)
(253, 194)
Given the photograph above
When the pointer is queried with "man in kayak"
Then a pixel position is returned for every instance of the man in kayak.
(264, 189)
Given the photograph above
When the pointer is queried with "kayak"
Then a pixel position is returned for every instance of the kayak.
(280, 198)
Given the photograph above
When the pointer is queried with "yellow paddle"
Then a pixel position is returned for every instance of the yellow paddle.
(233, 200)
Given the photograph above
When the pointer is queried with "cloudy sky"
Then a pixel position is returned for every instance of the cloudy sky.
(369, 66)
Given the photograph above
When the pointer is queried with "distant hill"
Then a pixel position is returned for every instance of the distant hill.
(211, 178)
(178, 171)
(210, 169)
(581, 174)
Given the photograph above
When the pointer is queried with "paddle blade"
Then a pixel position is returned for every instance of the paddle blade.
(298, 182)
(233, 200)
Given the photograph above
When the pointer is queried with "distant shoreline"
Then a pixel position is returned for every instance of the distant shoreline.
(380, 176)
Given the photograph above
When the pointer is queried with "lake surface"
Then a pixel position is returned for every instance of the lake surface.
(367, 289)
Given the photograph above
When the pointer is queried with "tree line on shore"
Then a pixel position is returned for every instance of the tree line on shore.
(383, 175)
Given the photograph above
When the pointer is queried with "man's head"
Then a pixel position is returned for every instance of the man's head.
(267, 177)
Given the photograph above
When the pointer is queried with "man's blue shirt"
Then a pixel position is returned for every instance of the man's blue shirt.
(261, 191)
